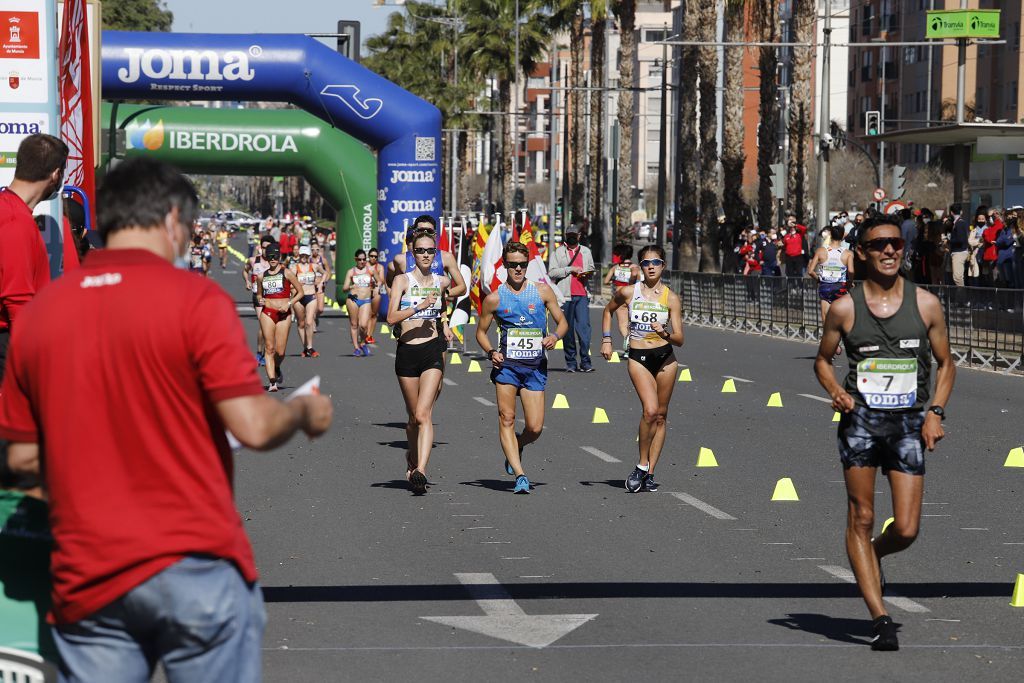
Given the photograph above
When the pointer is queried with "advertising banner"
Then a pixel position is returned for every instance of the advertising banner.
(964, 23)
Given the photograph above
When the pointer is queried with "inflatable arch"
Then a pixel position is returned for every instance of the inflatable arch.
(267, 142)
(403, 129)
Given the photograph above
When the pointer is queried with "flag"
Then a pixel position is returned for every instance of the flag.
(444, 244)
(537, 270)
(76, 99)
(479, 242)
(460, 315)
(493, 273)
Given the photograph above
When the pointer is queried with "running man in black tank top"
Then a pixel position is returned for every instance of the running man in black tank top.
(891, 329)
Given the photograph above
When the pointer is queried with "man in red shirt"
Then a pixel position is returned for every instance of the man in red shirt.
(793, 243)
(288, 241)
(24, 264)
(150, 558)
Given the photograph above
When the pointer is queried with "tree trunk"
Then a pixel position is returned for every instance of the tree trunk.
(733, 155)
(768, 132)
(627, 111)
(576, 112)
(464, 163)
(800, 111)
(687, 176)
(707, 67)
(507, 138)
(596, 152)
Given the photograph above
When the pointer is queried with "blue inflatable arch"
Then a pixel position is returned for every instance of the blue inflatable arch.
(404, 129)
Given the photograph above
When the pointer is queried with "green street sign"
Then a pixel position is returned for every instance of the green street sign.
(963, 23)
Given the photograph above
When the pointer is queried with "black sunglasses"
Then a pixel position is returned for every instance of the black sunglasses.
(516, 265)
(652, 262)
(423, 231)
(880, 243)
(419, 251)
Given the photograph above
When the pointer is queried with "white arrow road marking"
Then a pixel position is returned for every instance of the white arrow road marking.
(483, 401)
(905, 604)
(738, 379)
(702, 506)
(816, 398)
(505, 619)
(599, 454)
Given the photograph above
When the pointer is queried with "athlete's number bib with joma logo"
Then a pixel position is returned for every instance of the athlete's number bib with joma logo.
(888, 383)
(361, 280)
(643, 315)
(524, 343)
(417, 295)
(273, 284)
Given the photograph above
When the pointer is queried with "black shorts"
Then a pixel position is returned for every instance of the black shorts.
(890, 439)
(256, 301)
(307, 299)
(653, 359)
(412, 360)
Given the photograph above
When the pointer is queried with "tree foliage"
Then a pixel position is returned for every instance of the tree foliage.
(136, 15)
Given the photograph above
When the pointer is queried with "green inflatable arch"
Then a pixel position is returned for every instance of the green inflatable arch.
(265, 142)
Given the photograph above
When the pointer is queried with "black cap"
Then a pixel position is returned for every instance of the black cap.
(272, 252)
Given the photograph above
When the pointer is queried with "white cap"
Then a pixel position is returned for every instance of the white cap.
(305, 251)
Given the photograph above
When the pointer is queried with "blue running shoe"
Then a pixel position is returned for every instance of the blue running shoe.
(522, 484)
(357, 353)
(635, 480)
(261, 360)
(366, 350)
(508, 468)
(649, 484)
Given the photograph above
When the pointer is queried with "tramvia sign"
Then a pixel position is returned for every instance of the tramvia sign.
(963, 24)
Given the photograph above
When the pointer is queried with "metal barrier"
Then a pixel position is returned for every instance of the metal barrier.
(986, 325)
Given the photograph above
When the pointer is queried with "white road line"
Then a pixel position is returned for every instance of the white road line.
(816, 398)
(738, 379)
(449, 383)
(483, 401)
(391, 355)
(777, 543)
(932, 515)
(467, 515)
(468, 528)
(702, 506)
(905, 604)
(1014, 543)
(515, 558)
(495, 542)
(806, 558)
(599, 454)
(973, 528)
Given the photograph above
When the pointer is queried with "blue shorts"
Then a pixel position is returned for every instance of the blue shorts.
(522, 377)
(890, 439)
(830, 291)
(358, 302)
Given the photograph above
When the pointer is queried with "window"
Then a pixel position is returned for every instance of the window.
(653, 135)
(865, 22)
(653, 169)
(1012, 104)
(653, 105)
(910, 54)
(652, 35)
(865, 69)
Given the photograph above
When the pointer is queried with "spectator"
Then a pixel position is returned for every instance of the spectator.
(1018, 252)
(793, 244)
(974, 242)
(572, 264)
(1005, 243)
(958, 246)
(770, 255)
(908, 231)
(150, 561)
(989, 252)
(750, 255)
(24, 264)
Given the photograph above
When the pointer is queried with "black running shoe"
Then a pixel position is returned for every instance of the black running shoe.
(418, 482)
(885, 639)
(649, 484)
(635, 480)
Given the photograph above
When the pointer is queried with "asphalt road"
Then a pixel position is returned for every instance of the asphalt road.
(705, 579)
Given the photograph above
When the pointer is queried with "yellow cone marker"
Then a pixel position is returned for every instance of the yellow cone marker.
(775, 401)
(560, 401)
(456, 359)
(614, 358)
(474, 366)
(729, 387)
(784, 490)
(887, 523)
(684, 375)
(706, 458)
(472, 321)
(600, 417)
(1015, 458)
(1018, 592)
(835, 418)
(559, 344)
(384, 329)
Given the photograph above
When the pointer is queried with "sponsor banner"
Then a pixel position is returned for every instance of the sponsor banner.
(24, 45)
(966, 23)
(14, 127)
(409, 179)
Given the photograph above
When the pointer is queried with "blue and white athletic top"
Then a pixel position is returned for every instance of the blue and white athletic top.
(522, 324)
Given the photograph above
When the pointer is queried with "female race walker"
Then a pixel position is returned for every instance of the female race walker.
(378, 292)
(279, 290)
(832, 267)
(310, 276)
(415, 311)
(655, 324)
(622, 274)
(359, 283)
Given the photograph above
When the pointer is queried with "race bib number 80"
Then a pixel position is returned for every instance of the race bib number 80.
(524, 343)
(888, 383)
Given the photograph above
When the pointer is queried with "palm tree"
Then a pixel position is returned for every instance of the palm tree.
(800, 112)
(707, 67)
(567, 15)
(687, 175)
(765, 15)
(733, 155)
(598, 20)
(625, 11)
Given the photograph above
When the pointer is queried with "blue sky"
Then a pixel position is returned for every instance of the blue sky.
(275, 16)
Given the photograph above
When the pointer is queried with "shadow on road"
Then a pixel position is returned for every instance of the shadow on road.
(498, 484)
(841, 630)
(393, 484)
(393, 425)
(614, 483)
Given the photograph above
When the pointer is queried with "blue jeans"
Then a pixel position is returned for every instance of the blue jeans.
(198, 616)
(577, 314)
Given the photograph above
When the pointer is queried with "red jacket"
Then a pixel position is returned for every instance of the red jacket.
(24, 263)
(989, 251)
(793, 243)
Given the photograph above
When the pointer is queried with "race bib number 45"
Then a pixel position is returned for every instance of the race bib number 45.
(888, 383)
(524, 343)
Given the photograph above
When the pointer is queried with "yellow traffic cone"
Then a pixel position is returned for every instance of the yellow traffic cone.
(472, 320)
(559, 344)
(706, 458)
(835, 418)
(384, 329)
(600, 417)
(729, 387)
(614, 358)
(456, 359)
(560, 401)
(1018, 592)
(775, 401)
(887, 523)
(684, 375)
(1015, 458)
(474, 366)
(784, 490)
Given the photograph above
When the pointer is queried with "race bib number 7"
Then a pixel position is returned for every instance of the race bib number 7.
(888, 383)
(524, 343)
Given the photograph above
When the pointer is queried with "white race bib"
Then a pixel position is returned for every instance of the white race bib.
(523, 343)
(308, 278)
(832, 274)
(888, 383)
(622, 274)
(363, 280)
(273, 284)
(643, 314)
(415, 296)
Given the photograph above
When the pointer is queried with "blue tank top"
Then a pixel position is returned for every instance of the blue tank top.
(522, 324)
(436, 266)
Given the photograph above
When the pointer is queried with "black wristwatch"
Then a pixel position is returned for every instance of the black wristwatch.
(491, 353)
(938, 411)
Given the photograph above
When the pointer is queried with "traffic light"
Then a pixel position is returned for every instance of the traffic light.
(899, 180)
(778, 181)
(872, 122)
(348, 39)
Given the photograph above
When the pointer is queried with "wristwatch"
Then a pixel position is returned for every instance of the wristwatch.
(491, 353)
(938, 411)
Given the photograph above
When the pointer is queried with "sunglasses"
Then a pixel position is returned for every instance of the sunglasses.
(372, 256)
(652, 262)
(515, 265)
(360, 259)
(423, 231)
(420, 251)
(880, 243)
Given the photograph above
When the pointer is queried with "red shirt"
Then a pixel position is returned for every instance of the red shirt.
(793, 243)
(287, 242)
(576, 287)
(24, 264)
(121, 398)
(990, 252)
